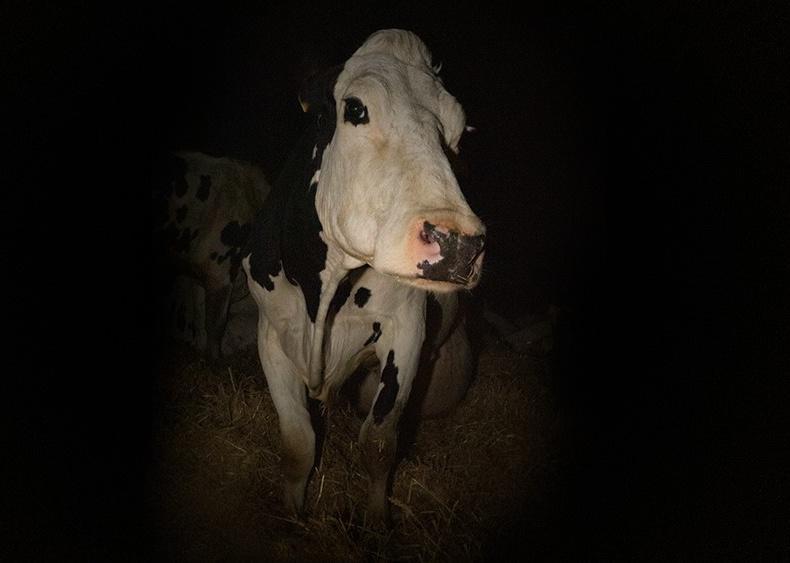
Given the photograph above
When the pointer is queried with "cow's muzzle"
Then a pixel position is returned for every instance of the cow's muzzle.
(450, 256)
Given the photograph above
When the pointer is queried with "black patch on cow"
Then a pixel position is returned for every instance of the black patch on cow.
(204, 188)
(458, 252)
(341, 295)
(266, 281)
(375, 336)
(361, 297)
(234, 236)
(285, 233)
(213, 255)
(388, 394)
(181, 214)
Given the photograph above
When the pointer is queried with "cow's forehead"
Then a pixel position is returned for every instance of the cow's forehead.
(385, 79)
(400, 44)
(395, 59)
(374, 74)
(395, 67)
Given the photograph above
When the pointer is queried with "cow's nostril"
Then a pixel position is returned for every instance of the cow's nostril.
(425, 237)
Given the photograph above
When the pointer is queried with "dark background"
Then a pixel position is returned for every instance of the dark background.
(631, 165)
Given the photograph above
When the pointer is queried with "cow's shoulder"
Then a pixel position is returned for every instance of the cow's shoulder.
(286, 233)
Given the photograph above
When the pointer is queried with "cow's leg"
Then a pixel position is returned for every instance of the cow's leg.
(217, 305)
(399, 358)
(289, 395)
(378, 443)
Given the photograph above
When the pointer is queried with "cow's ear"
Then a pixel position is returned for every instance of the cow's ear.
(317, 91)
(453, 119)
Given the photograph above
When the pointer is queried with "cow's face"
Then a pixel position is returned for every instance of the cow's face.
(387, 195)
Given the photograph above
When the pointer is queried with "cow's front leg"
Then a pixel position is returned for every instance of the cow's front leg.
(378, 438)
(379, 441)
(289, 395)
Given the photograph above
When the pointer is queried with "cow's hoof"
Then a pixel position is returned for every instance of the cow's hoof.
(293, 500)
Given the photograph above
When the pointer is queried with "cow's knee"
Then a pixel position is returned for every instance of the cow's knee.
(378, 443)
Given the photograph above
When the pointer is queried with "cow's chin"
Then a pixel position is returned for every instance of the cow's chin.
(437, 286)
(439, 280)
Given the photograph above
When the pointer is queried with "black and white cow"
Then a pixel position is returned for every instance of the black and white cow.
(365, 233)
(204, 206)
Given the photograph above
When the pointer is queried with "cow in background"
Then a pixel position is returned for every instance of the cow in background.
(203, 206)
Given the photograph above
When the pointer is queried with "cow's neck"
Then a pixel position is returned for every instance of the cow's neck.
(308, 260)
(288, 236)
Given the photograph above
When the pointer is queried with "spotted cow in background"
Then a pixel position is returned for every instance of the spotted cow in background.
(203, 207)
(356, 258)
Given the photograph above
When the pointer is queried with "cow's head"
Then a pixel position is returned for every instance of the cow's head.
(387, 195)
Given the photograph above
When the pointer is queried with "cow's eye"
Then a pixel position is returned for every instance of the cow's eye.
(356, 113)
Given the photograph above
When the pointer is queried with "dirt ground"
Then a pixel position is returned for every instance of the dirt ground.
(214, 486)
